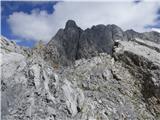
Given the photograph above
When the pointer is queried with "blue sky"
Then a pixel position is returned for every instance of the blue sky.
(9, 7)
(28, 22)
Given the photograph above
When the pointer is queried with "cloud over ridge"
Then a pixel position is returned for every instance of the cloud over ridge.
(40, 25)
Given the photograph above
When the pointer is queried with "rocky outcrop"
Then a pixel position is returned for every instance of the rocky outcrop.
(72, 43)
(31, 89)
(10, 46)
(149, 36)
(142, 58)
(98, 39)
(63, 46)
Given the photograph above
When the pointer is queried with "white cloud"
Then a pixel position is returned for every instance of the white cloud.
(156, 29)
(36, 25)
(39, 25)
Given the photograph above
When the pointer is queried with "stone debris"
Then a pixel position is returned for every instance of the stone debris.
(121, 82)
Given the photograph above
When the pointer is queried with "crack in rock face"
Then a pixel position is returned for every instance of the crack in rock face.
(101, 73)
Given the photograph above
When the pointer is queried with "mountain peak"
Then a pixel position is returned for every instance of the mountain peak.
(70, 23)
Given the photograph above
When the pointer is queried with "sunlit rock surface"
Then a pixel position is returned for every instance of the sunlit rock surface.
(124, 85)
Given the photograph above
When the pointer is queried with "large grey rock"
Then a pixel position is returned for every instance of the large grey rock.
(63, 46)
(97, 40)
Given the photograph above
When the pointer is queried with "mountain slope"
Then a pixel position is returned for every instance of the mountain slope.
(121, 84)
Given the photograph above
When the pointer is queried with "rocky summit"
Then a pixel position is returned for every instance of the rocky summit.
(101, 73)
(73, 43)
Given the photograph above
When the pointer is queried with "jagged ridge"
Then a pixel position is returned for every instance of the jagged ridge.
(72, 43)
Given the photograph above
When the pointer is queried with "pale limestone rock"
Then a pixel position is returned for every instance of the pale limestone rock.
(123, 86)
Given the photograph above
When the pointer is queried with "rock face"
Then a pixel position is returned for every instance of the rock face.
(98, 39)
(72, 43)
(63, 46)
(116, 80)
